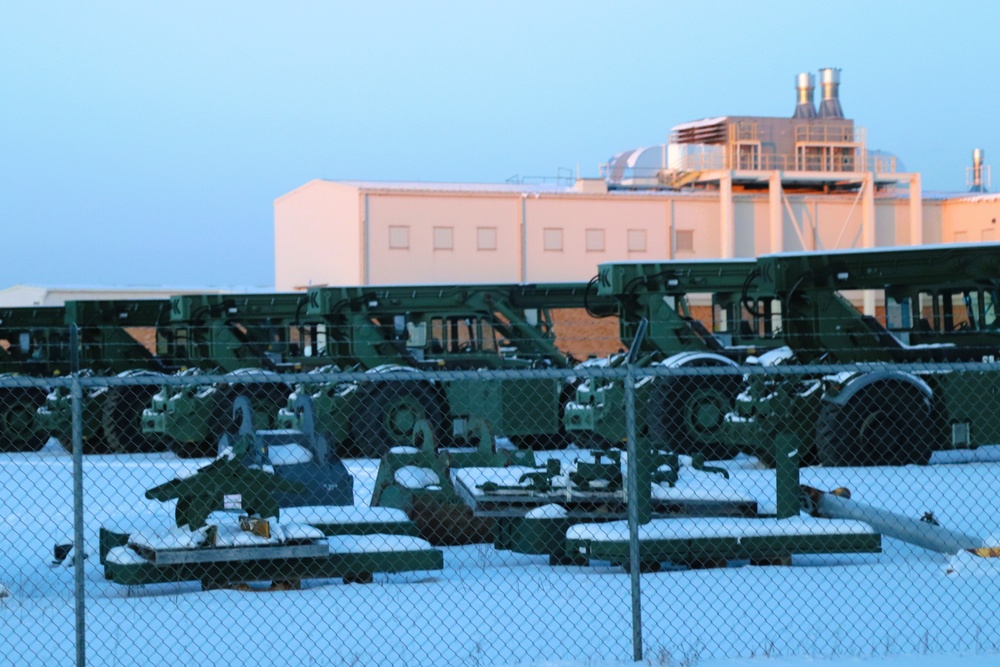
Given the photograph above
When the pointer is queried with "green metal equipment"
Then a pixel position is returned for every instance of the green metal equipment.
(103, 345)
(271, 473)
(417, 480)
(688, 514)
(469, 327)
(685, 413)
(250, 338)
(940, 306)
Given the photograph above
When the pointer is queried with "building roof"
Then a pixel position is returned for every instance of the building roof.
(456, 187)
(36, 295)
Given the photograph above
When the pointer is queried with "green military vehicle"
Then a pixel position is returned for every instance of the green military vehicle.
(377, 329)
(250, 338)
(426, 327)
(33, 342)
(940, 307)
(675, 298)
(106, 345)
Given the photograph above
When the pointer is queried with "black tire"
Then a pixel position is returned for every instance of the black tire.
(884, 424)
(386, 413)
(684, 414)
(17, 419)
(94, 444)
(121, 419)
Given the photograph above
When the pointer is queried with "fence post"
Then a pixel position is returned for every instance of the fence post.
(76, 394)
(632, 491)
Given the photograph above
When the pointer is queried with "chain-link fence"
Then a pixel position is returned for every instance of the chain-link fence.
(668, 512)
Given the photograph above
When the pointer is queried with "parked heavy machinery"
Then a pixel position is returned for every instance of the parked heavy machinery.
(675, 299)
(108, 343)
(250, 338)
(32, 342)
(395, 329)
(940, 306)
(295, 519)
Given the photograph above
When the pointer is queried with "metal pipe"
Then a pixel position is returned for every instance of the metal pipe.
(977, 170)
(921, 532)
(637, 488)
(79, 580)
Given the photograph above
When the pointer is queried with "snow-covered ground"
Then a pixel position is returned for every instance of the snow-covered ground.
(905, 605)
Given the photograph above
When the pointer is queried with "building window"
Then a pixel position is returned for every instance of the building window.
(637, 240)
(399, 237)
(443, 238)
(552, 239)
(961, 237)
(595, 240)
(988, 234)
(486, 238)
(685, 240)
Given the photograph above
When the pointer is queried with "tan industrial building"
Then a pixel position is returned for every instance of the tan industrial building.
(733, 186)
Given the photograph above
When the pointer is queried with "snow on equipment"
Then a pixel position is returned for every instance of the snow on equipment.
(690, 514)
(533, 507)
(418, 480)
(761, 538)
(292, 523)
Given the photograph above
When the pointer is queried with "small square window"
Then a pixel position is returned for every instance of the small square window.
(486, 238)
(399, 237)
(961, 237)
(443, 238)
(685, 240)
(595, 240)
(637, 240)
(988, 234)
(552, 239)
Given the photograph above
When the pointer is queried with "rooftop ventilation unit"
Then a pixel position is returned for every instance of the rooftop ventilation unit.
(978, 172)
(805, 84)
(829, 81)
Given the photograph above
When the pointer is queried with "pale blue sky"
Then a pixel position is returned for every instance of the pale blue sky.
(144, 143)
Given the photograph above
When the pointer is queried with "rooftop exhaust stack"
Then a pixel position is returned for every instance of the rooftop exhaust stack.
(977, 171)
(829, 81)
(804, 86)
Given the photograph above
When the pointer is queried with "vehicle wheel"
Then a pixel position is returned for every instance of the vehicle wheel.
(94, 444)
(888, 423)
(121, 419)
(17, 419)
(685, 414)
(387, 412)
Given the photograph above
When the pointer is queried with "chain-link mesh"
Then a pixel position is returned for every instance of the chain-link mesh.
(406, 515)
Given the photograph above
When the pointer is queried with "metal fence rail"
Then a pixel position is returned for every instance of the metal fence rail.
(666, 513)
